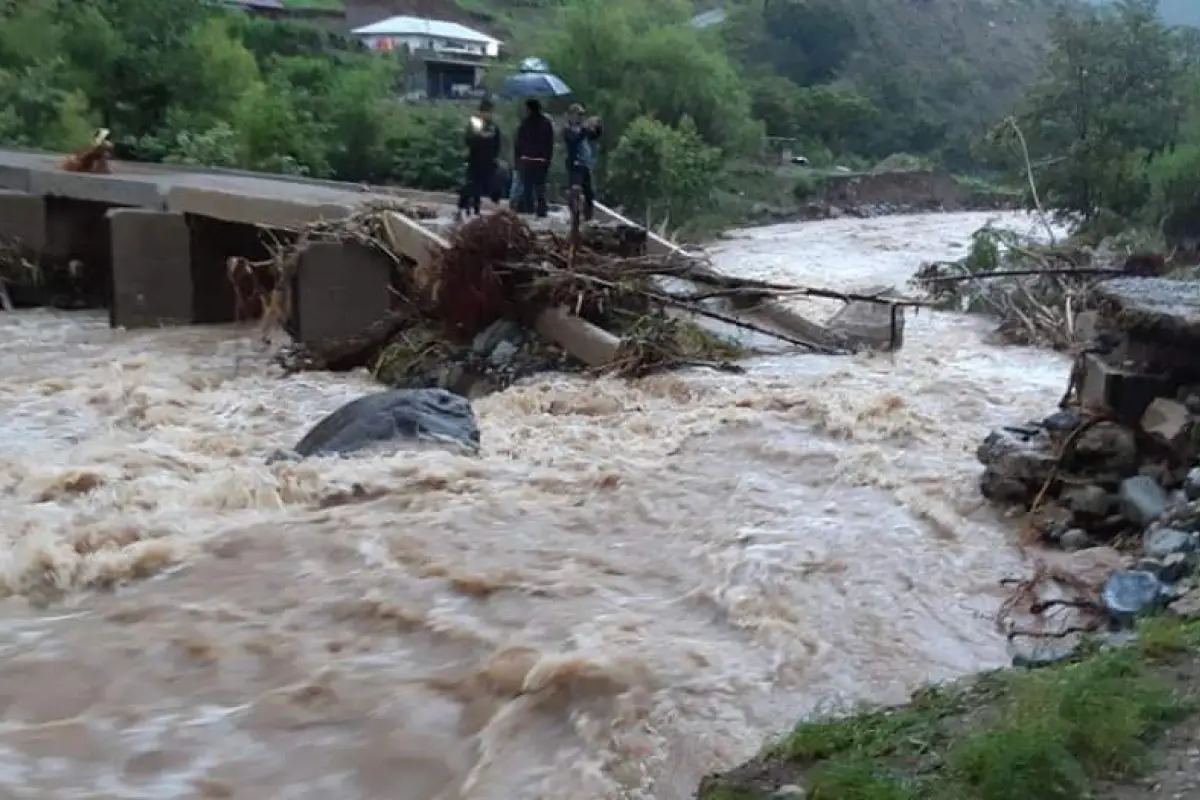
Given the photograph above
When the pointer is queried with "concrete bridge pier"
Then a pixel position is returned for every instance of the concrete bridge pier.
(339, 289)
(151, 266)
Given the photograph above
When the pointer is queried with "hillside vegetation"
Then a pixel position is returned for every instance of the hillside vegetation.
(688, 112)
(922, 76)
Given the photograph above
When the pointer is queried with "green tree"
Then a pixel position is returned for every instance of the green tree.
(630, 59)
(664, 173)
(136, 69)
(811, 40)
(774, 100)
(838, 117)
(1110, 102)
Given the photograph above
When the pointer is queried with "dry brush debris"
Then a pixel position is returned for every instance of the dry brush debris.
(1037, 291)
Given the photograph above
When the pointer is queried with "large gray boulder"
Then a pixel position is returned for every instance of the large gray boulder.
(393, 418)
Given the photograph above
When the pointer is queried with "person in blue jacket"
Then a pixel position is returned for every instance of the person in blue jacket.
(582, 138)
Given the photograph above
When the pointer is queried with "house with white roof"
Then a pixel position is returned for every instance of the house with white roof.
(446, 59)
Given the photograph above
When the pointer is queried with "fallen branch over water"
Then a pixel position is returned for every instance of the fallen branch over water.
(1018, 273)
(495, 272)
(1036, 291)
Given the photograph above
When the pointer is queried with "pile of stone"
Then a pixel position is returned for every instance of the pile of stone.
(1117, 465)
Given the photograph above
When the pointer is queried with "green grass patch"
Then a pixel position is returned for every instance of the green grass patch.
(321, 5)
(1047, 734)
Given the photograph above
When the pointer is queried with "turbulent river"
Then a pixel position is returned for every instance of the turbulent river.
(634, 585)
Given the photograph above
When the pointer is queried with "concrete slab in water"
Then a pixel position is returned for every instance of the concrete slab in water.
(1156, 308)
(870, 324)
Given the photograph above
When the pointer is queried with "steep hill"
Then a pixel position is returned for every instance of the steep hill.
(965, 61)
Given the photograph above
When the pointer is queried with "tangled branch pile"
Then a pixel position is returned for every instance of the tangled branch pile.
(28, 280)
(475, 309)
(1037, 291)
(481, 296)
(14, 269)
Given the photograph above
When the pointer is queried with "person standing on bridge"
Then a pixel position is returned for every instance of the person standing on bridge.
(534, 150)
(581, 138)
(483, 152)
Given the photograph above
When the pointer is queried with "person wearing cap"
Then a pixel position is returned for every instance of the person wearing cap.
(483, 150)
(534, 149)
(581, 138)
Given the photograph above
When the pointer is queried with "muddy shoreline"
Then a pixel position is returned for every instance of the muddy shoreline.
(882, 194)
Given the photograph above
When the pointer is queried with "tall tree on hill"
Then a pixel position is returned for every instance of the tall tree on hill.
(1111, 100)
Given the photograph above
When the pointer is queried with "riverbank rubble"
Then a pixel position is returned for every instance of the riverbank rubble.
(502, 300)
(1116, 466)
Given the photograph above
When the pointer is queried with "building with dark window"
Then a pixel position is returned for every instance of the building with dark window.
(445, 59)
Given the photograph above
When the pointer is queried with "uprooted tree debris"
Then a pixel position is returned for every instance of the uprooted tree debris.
(28, 279)
(496, 303)
(1037, 291)
(1115, 468)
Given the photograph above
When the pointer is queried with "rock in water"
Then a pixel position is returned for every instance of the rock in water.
(393, 416)
(1132, 592)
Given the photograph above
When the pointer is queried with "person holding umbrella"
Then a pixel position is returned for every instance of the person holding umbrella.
(483, 149)
(534, 149)
(580, 137)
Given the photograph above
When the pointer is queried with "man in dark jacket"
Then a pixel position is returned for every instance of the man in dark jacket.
(483, 150)
(581, 138)
(534, 149)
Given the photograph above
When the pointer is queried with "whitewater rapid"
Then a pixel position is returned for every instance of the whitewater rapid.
(635, 584)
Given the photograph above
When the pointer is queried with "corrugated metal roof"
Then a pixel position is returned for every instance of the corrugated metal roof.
(418, 26)
(272, 5)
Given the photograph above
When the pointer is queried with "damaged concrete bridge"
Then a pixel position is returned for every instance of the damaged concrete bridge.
(154, 244)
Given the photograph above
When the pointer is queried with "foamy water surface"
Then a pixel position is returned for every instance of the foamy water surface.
(635, 584)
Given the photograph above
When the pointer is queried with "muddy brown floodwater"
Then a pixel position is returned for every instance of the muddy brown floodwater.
(633, 585)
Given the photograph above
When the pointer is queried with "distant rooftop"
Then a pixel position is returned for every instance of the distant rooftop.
(257, 5)
(709, 18)
(418, 26)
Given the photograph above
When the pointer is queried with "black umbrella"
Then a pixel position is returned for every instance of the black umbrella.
(534, 84)
(534, 80)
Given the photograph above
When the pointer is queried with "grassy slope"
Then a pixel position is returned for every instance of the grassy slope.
(1067, 732)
